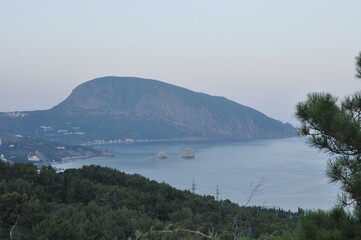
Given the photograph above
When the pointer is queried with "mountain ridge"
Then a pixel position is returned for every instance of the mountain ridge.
(129, 107)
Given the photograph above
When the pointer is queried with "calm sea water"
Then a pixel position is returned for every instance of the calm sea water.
(292, 173)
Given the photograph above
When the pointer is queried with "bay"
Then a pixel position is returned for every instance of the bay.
(291, 173)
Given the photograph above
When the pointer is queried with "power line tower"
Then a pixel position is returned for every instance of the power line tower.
(193, 187)
(217, 193)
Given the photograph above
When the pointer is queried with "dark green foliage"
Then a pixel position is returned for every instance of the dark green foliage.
(102, 203)
(324, 225)
(336, 129)
(11, 206)
(358, 66)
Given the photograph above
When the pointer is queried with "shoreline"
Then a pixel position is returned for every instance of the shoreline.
(103, 142)
(86, 156)
(178, 140)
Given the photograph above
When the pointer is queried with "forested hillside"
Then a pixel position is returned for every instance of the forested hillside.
(102, 203)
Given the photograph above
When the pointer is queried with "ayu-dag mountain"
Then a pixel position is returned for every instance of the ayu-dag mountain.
(117, 108)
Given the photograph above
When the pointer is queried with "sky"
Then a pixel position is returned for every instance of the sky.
(265, 54)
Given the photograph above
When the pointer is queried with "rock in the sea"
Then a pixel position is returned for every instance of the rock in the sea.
(108, 152)
(188, 153)
(162, 155)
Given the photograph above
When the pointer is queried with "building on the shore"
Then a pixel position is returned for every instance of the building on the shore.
(3, 159)
(129, 140)
(33, 157)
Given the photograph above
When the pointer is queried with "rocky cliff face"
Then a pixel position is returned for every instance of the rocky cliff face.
(143, 108)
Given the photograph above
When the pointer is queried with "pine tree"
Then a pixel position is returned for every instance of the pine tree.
(358, 66)
(336, 128)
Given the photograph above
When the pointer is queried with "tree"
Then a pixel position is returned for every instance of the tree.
(358, 66)
(336, 224)
(336, 128)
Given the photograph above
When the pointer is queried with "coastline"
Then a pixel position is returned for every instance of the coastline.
(172, 140)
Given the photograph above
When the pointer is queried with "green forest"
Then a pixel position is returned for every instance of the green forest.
(101, 203)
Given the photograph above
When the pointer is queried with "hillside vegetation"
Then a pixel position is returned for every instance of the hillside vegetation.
(19, 149)
(102, 203)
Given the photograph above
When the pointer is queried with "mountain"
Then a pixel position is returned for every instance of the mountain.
(128, 107)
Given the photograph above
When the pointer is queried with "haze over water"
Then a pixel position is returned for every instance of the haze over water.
(293, 174)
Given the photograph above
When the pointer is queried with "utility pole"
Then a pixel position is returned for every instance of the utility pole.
(217, 193)
(193, 187)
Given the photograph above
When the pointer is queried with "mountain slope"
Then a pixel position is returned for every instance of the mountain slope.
(128, 107)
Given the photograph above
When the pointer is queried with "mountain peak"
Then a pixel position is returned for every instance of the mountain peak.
(137, 108)
(158, 104)
(114, 93)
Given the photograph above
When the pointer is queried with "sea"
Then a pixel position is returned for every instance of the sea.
(275, 173)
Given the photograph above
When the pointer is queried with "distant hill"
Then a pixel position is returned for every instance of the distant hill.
(127, 107)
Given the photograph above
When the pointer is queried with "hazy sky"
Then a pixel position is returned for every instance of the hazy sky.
(264, 54)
